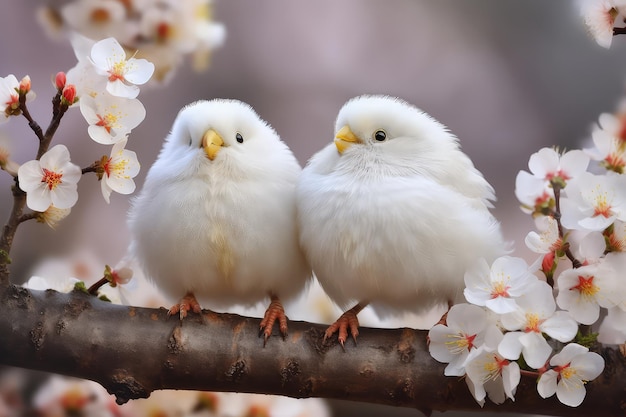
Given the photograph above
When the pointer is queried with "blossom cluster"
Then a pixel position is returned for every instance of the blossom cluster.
(63, 396)
(104, 84)
(162, 31)
(525, 319)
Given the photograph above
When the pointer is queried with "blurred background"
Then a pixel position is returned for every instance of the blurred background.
(507, 77)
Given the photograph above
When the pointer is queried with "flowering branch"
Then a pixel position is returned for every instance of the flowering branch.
(19, 196)
(132, 351)
(556, 187)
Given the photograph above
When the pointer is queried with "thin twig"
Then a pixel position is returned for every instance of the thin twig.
(93, 290)
(557, 216)
(619, 31)
(27, 216)
(31, 122)
(58, 110)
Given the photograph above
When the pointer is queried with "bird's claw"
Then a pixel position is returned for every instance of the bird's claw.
(348, 320)
(274, 312)
(188, 302)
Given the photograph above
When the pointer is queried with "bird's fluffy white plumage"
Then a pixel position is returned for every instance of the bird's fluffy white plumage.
(223, 229)
(394, 222)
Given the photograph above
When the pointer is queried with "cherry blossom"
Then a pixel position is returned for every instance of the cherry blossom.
(536, 315)
(498, 287)
(488, 373)
(534, 193)
(99, 19)
(548, 165)
(610, 150)
(587, 247)
(465, 329)
(574, 366)
(119, 170)
(594, 202)
(548, 240)
(111, 118)
(582, 291)
(616, 237)
(109, 59)
(83, 75)
(51, 180)
(600, 17)
(10, 97)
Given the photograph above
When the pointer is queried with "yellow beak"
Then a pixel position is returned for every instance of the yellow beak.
(212, 142)
(345, 138)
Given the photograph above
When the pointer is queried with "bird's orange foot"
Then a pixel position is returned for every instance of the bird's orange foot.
(274, 312)
(348, 320)
(188, 302)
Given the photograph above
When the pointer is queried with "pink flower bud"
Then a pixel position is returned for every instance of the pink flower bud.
(548, 262)
(59, 80)
(122, 275)
(24, 87)
(69, 94)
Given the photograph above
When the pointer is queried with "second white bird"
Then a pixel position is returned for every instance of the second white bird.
(393, 212)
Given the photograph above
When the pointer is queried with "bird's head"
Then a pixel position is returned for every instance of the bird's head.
(389, 127)
(218, 126)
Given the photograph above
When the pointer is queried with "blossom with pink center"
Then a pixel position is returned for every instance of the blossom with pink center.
(489, 373)
(616, 237)
(498, 286)
(534, 193)
(98, 19)
(548, 240)
(10, 96)
(582, 291)
(536, 315)
(111, 118)
(610, 149)
(51, 180)
(594, 202)
(548, 165)
(119, 170)
(600, 17)
(83, 75)
(465, 329)
(574, 366)
(123, 75)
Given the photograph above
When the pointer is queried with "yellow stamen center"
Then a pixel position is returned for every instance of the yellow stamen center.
(51, 178)
(460, 343)
(586, 287)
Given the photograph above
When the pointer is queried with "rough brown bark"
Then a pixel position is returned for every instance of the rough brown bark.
(133, 351)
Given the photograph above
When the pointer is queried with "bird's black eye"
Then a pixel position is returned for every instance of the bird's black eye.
(380, 135)
(239, 137)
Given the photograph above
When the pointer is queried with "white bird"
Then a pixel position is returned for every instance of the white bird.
(216, 218)
(393, 212)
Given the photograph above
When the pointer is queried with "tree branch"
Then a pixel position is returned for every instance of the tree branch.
(132, 351)
(8, 231)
